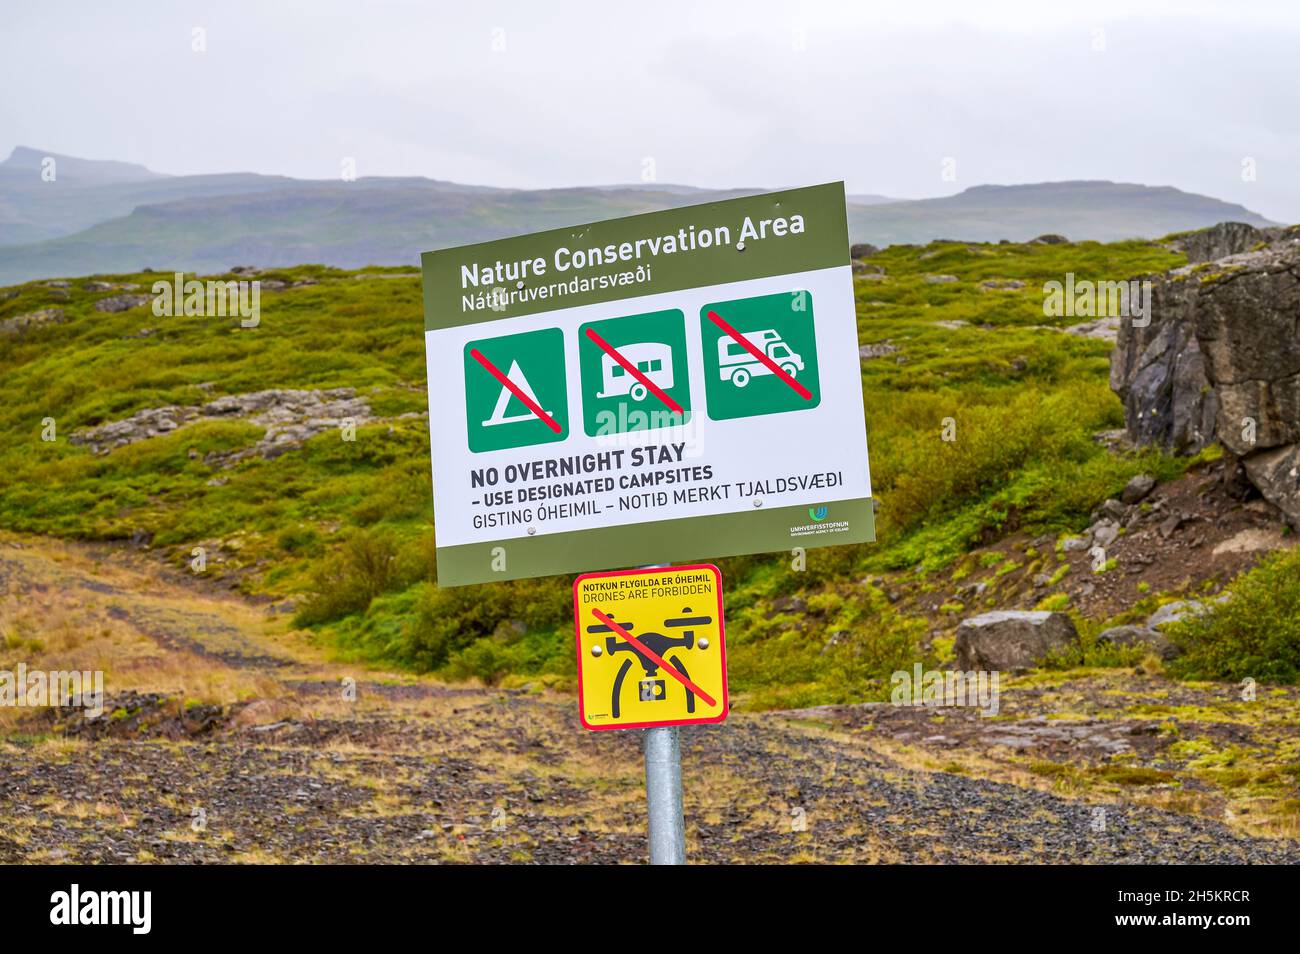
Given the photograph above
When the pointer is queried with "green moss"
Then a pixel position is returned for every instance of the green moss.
(1133, 775)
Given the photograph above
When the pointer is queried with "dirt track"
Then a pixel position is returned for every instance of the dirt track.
(277, 763)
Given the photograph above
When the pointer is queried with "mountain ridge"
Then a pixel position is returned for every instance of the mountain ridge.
(102, 216)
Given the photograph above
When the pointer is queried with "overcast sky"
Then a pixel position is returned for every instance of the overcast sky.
(539, 94)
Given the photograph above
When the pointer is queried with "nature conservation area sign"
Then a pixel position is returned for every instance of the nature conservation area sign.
(651, 388)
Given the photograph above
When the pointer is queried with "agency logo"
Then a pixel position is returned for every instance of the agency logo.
(818, 513)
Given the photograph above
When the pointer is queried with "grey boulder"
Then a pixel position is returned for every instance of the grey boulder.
(1139, 636)
(1012, 640)
(1173, 612)
(1137, 489)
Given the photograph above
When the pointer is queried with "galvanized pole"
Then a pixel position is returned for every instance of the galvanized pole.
(663, 793)
(663, 789)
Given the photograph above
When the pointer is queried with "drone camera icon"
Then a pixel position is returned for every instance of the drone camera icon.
(652, 689)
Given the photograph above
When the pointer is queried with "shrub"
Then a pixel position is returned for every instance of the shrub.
(859, 664)
(1255, 634)
(348, 579)
(447, 621)
(297, 538)
(485, 659)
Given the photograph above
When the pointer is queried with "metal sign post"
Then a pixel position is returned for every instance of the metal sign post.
(663, 789)
(663, 795)
(652, 655)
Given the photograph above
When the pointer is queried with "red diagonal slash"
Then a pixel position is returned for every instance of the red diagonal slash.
(633, 370)
(514, 389)
(768, 363)
(653, 657)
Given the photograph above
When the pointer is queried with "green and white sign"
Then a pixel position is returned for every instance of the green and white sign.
(657, 388)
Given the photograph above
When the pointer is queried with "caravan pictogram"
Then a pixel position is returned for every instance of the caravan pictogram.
(634, 373)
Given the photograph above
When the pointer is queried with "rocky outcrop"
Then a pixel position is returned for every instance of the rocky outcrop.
(879, 349)
(1011, 640)
(1220, 241)
(290, 417)
(1220, 357)
(1247, 321)
(1159, 373)
(115, 303)
(17, 325)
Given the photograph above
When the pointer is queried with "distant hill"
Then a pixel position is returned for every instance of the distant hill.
(85, 192)
(1083, 210)
(101, 216)
(25, 162)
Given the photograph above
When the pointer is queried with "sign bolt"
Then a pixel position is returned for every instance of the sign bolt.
(595, 650)
(758, 502)
(531, 531)
(703, 642)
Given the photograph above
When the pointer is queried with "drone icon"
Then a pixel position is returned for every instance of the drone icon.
(652, 689)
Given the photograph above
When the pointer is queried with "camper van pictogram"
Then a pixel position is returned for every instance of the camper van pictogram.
(737, 365)
(652, 358)
(650, 688)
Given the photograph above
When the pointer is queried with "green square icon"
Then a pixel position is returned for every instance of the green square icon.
(634, 375)
(760, 355)
(515, 392)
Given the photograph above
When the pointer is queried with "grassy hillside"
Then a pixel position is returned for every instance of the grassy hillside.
(341, 531)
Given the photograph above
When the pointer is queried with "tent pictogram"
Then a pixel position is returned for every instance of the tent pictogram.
(516, 376)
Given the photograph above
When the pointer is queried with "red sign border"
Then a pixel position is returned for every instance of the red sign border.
(722, 649)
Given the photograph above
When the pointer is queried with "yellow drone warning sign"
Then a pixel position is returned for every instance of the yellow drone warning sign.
(650, 647)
